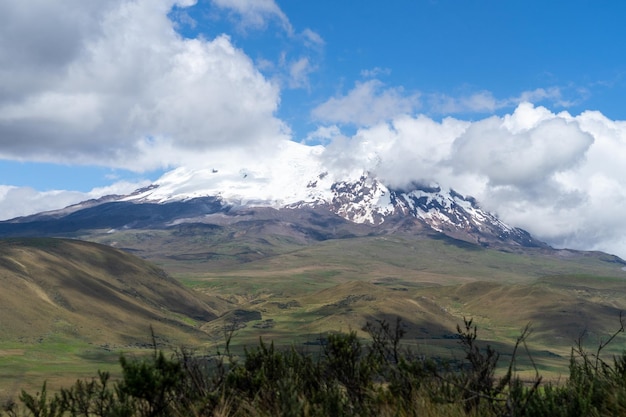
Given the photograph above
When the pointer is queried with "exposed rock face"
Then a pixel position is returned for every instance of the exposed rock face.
(362, 200)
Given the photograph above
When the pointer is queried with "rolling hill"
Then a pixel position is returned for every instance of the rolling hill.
(69, 307)
(56, 286)
(294, 290)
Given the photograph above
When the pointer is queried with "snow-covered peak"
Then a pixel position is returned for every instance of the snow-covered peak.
(279, 182)
(296, 174)
(298, 178)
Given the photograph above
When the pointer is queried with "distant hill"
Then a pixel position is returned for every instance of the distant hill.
(90, 292)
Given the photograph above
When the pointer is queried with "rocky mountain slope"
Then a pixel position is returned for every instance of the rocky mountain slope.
(215, 197)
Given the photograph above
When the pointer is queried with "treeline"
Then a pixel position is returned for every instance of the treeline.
(346, 377)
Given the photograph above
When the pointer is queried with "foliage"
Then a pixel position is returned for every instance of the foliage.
(345, 377)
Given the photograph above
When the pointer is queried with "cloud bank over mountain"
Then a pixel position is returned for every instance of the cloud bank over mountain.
(114, 83)
(556, 175)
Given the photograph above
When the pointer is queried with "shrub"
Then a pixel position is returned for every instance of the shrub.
(346, 377)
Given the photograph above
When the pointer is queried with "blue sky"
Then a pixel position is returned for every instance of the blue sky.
(103, 97)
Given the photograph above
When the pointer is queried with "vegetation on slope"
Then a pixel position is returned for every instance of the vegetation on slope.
(68, 305)
(92, 289)
(345, 377)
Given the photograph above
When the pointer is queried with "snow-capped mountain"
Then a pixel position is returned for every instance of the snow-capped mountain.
(362, 200)
(298, 181)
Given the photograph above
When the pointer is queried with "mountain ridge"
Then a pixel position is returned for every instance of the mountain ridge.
(184, 196)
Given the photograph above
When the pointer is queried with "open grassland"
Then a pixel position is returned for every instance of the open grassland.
(58, 361)
(85, 306)
(399, 256)
(340, 285)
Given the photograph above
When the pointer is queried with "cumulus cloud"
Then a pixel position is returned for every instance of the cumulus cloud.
(559, 176)
(113, 83)
(366, 104)
(405, 150)
(523, 158)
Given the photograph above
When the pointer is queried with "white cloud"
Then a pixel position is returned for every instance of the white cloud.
(323, 134)
(299, 71)
(256, 13)
(23, 201)
(115, 85)
(405, 150)
(540, 94)
(561, 177)
(371, 101)
(480, 102)
(485, 102)
(368, 103)
(312, 39)
(524, 158)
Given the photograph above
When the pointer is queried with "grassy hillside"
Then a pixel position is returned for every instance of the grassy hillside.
(65, 303)
(293, 292)
(86, 302)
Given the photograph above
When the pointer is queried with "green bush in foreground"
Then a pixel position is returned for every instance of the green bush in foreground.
(346, 377)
